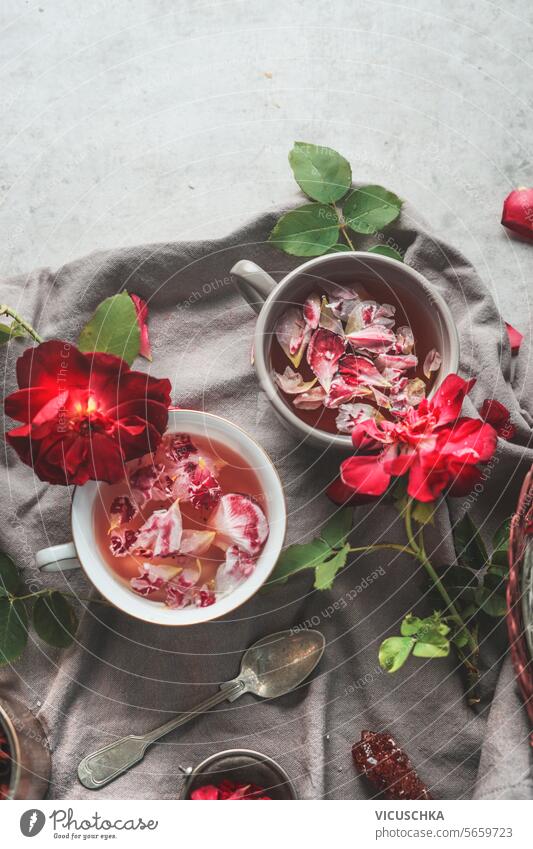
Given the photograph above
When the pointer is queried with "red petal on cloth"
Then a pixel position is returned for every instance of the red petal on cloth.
(239, 520)
(376, 339)
(312, 307)
(464, 481)
(293, 333)
(324, 352)
(196, 543)
(292, 383)
(207, 793)
(350, 414)
(122, 510)
(496, 414)
(432, 362)
(150, 483)
(311, 400)
(517, 214)
(405, 340)
(237, 566)
(161, 533)
(122, 541)
(152, 578)
(141, 309)
(515, 337)
(365, 474)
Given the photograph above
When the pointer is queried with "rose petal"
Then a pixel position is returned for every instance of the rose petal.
(122, 510)
(175, 447)
(515, 337)
(161, 533)
(150, 483)
(350, 414)
(496, 414)
(312, 307)
(432, 362)
(517, 212)
(324, 352)
(342, 390)
(362, 370)
(141, 309)
(375, 338)
(292, 382)
(182, 589)
(237, 566)
(405, 340)
(328, 320)
(152, 578)
(365, 474)
(196, 543)
(206, 793)
(122, 541)
(415, 391)
(396, 362)
(239, 520)
(293, 333)
(311, 400)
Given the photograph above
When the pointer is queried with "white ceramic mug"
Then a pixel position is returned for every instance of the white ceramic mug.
(83, 550)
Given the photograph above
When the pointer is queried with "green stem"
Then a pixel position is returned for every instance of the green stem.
(5, 310)
(342, 225)
(424, 560)
(389, 545)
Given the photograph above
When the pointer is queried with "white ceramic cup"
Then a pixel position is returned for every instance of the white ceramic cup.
(83, 550)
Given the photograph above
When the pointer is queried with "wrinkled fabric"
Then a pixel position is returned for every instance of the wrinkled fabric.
(123, 676)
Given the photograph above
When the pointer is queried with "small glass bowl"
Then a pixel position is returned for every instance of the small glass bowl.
(241, 766)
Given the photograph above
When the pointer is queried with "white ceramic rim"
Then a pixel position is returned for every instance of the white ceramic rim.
(313, 434)
(110, 586)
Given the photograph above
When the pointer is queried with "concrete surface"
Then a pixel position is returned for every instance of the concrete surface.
(125, 121)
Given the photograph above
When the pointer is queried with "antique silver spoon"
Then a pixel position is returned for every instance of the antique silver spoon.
(273, 666)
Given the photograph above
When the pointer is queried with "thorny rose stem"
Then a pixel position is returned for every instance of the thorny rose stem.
(5, 310)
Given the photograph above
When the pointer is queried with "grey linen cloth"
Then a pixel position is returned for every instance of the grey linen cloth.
(123, 676)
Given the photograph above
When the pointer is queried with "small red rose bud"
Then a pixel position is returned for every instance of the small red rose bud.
(517, 212)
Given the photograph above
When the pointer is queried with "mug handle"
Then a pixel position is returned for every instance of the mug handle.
(57, 558)
(254, 284)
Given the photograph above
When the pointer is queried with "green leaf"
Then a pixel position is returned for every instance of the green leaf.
(325, 572)
(13, 629)
(433, 649)
(340, 248)
(500, 544)
(469, 547)
(113, 329)
(423, 512)
(322, 173)
(411, 625)
(297, 557)
(309, 230)
(385, 250)
(460, 639)
(10, 331)
(10, 582)
(335, 532)
(394, 651)
(371, 208)
(491, 601)
(55, 620)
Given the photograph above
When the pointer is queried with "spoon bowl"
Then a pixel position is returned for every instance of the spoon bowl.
(277, 664)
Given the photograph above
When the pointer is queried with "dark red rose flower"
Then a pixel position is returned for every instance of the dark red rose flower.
(432, 444)
(515, 337)
(83, 415)
(517, 212)
(497, 415)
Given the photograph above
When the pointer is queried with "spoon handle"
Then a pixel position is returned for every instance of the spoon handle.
(100, 767)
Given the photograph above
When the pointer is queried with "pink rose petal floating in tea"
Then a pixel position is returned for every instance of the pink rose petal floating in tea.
(239, 521)
(152, 578)
(160, 536)
(355, 352)
(238, 566)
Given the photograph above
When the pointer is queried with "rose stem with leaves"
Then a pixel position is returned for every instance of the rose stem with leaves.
(5, 310)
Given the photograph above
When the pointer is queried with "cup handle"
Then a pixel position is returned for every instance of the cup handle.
(254, 284)
(57, 558)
